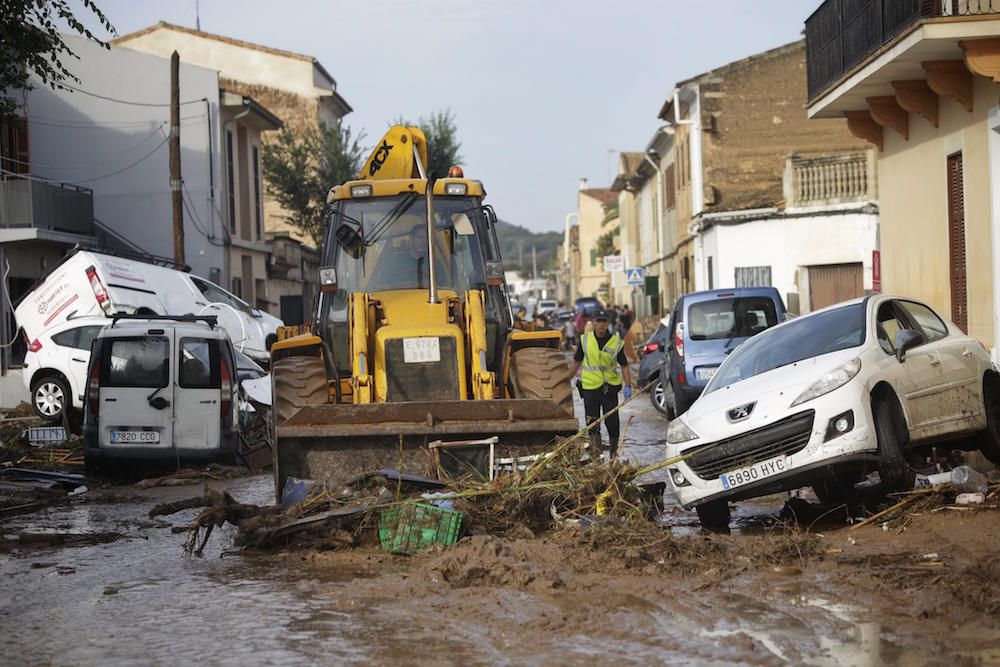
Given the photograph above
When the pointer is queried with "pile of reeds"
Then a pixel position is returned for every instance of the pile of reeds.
(567, 485)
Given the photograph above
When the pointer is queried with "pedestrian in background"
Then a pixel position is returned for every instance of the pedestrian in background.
(605, 373)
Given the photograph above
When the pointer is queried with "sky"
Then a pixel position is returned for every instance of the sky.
(543, 92)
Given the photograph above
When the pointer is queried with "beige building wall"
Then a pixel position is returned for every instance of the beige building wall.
(914, 215)
(592, 272)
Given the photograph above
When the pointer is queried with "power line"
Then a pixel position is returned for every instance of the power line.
(51, 122)
(129, 102)
(35, 165)
(125, 168)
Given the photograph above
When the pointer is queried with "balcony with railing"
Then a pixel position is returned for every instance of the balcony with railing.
(830, 180)
(842, 34)
(60, 207)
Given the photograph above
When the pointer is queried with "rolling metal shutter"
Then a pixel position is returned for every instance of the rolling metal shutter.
(956, 243)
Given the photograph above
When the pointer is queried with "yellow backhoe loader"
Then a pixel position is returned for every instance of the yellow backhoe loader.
(413, 352)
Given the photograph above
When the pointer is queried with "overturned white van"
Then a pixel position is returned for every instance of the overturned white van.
(89, 283)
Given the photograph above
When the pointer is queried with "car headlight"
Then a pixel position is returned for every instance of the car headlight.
(833, 380)
(678, 432)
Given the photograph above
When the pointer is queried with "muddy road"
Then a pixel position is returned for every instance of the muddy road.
(120, 590)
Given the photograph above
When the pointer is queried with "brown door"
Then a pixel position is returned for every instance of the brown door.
(833, 283)
(956, 243)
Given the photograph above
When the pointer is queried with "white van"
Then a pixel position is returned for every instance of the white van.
(161, 388)
(89, 283)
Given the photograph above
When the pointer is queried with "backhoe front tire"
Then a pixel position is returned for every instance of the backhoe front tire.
(296, 382)
(542, 372)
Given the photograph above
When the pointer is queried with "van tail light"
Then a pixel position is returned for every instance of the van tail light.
(226, 384)
(94, 387)
(33, 345)
(103, 300)
(679, 340)
(650, 348)
(681, 379)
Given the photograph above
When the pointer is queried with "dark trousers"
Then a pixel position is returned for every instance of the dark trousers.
(596, 401)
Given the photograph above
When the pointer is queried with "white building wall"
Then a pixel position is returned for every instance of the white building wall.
(118, 149)
(788, 245)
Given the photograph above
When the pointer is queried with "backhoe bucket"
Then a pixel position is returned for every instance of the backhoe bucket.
(338, 443)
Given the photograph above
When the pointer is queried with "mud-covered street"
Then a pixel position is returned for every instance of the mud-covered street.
(120, 589)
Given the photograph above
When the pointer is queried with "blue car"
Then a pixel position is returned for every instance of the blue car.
(704, 328)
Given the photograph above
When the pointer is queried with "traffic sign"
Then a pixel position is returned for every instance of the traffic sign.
(635, 276)
(614, 263)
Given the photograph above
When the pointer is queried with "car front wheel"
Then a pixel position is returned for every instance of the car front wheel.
(714, 515)
(50, 397)
(893, 469)
(661, 396)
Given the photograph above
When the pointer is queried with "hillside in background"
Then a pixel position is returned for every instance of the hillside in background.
(516, 243)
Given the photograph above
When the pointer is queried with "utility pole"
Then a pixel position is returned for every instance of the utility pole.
(534, 264)
(175, 158)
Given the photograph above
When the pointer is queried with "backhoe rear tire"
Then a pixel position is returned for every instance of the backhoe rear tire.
(542, 372)
(296, 382)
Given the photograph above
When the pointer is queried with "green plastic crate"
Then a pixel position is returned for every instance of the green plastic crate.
(414, 527)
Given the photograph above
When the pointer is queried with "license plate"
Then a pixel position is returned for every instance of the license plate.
(143, 437)
(705, 373)
(420, 350)
(757, 471)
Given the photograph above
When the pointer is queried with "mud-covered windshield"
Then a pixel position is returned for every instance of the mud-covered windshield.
(393, 253)
(812, 336)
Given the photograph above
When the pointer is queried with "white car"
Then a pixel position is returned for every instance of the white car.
(55, 366)
(823, 399)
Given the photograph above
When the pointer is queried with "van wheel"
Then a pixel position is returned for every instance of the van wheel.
(662, 397)
(295, 383)
(542, 372)
(988, 441)
(892, 467)
(714, 515)
(50, 397)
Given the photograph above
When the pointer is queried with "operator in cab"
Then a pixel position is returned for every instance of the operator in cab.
(605, 373)
(407, 267)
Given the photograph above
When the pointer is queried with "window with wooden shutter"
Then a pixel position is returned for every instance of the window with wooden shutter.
(669, 187)
(956, 243)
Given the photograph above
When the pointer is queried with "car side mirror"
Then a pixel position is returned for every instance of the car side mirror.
(906, 339)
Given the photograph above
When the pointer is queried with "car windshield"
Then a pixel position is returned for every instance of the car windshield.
(802, 338)
(737, 317)
(394, 256)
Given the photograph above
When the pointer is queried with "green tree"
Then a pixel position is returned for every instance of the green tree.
(301, 166)
(442, 141)
(605, 244)
(31, 42)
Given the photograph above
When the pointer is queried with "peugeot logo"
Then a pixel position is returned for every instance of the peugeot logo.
(740, 413)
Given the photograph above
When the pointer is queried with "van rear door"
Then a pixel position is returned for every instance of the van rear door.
(136, 394)
(201, 375)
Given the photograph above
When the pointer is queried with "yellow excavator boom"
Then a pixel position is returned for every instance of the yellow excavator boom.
(402, 153)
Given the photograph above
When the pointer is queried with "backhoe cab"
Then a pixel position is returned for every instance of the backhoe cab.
(414, 342)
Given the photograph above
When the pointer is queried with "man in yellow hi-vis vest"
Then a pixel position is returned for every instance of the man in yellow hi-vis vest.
(601, 355)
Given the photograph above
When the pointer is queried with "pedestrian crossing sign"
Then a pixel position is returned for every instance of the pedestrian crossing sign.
(635, 276)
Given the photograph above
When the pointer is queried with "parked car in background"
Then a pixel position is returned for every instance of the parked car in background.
(870, 384)
(161, 388)
(705, 328)
(588, 305)
(87, 284)
(652, 363)
(545, 306)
